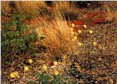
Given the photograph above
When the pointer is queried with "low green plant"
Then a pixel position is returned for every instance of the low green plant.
(57, 80)
(45, 79)
(16, 38)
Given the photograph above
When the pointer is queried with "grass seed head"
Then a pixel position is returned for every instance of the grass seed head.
(74, 39)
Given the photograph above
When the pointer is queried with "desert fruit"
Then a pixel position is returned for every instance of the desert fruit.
(56, 72)
(30, 61)
(84, 26)
(44, 67)
(73, 25)
(90, 31)
(26, 68)
(79, 43)
(13, 74)
(55, 63)
(74, 39)
(79, 31)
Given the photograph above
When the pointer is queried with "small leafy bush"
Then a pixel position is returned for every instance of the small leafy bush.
(57, 80)
(45, 79)
(16, 37)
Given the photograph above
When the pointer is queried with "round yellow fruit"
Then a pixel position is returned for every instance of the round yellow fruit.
(79, 43)
(74, 39)
(44, 67)
(12, 75)
(73, 25)
(26, 68)
(90, 31)
(30, 61)
(79, 31)
(55, 63)
(84, 26)
(94, 43)
(56, 72)
(16, 73)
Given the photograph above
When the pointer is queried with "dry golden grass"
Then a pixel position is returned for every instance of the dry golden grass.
(110, 14)
(57, 37)
(29, 7)
(60, 6)
(65, 8)
(33, 7)
(63, 5)
(5, 9)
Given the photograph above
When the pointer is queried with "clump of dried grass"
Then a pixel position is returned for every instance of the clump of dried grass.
(60, 6)
(57, 37)
(63, 5)
(5, 9)
(29, 7)
(67, 9)
(110, 14)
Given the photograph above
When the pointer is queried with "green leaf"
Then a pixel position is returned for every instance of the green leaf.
(31, 82)
(45, 79)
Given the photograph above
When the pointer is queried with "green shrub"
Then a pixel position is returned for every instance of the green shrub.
(16, 38)
(45, 79)
(57, 80)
